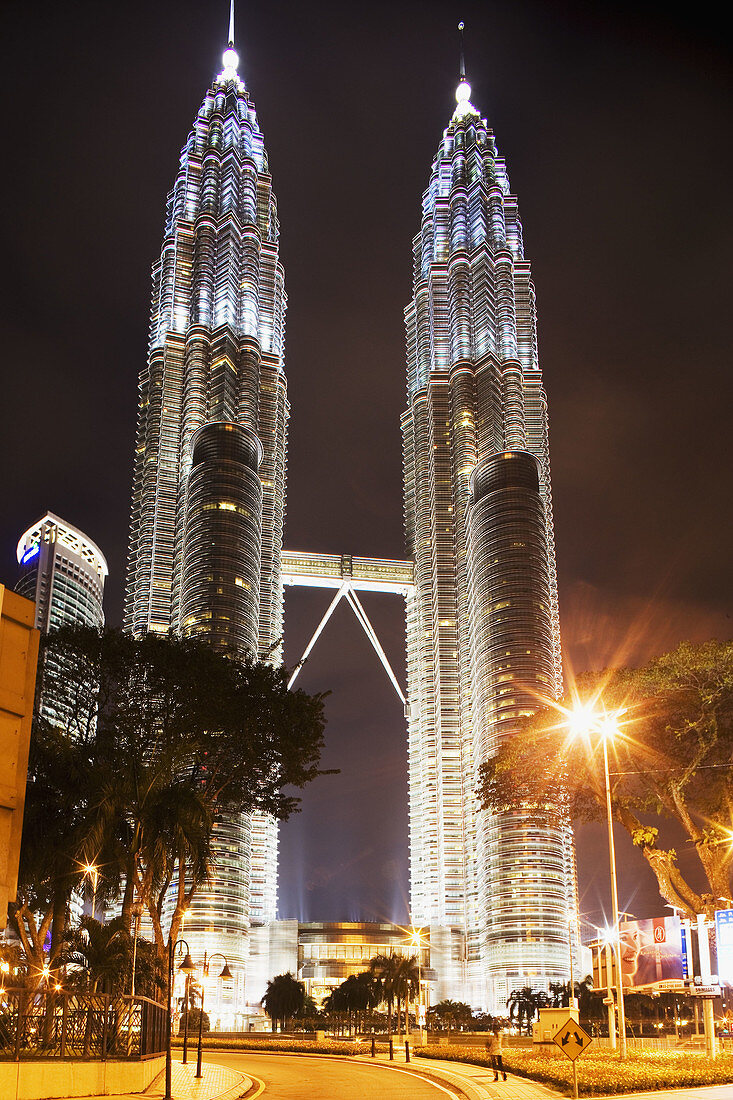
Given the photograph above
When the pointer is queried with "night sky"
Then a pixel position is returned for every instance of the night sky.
(615, 122)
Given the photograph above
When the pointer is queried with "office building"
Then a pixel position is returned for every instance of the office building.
(63, 572)
(209, 480)
(482, 619)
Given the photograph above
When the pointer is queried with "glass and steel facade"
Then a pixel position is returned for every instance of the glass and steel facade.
(482, 620)
(63, 571)
(208, 496)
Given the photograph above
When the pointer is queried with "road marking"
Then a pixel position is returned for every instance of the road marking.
(260, 1090)
(420, 1077)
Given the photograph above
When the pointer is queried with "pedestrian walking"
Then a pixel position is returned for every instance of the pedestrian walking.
(494, 1049)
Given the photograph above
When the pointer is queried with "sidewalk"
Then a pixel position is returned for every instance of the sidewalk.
(476, 1082)
(217, 1083)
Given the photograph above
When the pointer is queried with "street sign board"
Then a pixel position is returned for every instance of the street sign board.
(572, 1039)
(704, 991)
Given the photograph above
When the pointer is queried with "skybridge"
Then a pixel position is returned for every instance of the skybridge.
(347, 575)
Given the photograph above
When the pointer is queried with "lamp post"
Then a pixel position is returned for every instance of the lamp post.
(571, 997)
(92, 871)
(416, 940)
(187, 968)
(227, 976)
(585, 720)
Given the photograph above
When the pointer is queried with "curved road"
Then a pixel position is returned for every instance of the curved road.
(293, 1077)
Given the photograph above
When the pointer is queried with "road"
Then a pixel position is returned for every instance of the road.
(293, 1077)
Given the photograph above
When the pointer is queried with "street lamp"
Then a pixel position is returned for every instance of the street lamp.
(416, 940)
(92, 871)
(586, 721)
(227, 976)
(187, 967)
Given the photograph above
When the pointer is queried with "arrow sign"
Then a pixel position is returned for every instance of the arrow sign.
(572, 1039)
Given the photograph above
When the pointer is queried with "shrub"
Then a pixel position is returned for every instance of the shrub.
(601, 1073)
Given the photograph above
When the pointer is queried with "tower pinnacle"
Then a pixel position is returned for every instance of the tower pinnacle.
(463, 91)
(231, 57)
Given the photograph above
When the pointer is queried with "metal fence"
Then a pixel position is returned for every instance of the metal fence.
(68, 1025)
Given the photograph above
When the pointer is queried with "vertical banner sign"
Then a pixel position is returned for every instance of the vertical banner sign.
(685, 967)
(724, 937)
(651, 951)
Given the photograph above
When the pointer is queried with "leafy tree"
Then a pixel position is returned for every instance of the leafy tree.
(194, 1015)
(283, 999)
(671, 761)
(484, 1021)
(450, 1014)
(309, 1016)
(356, 995)
(142, 744)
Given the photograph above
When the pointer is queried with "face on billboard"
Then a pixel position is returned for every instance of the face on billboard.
(651, 951)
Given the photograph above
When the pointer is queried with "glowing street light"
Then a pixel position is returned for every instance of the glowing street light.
(92, 871)
(587, 722)
(417, 940)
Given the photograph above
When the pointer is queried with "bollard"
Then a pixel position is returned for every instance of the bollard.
(391, 1051)
(374, 1047)
(407, 1051)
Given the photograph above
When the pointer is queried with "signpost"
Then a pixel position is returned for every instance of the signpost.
(572, 1040)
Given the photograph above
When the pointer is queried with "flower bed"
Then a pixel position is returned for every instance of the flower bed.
(280, 1046)
(601, 1073)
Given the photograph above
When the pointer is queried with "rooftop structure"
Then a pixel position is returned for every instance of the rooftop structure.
(63, 572)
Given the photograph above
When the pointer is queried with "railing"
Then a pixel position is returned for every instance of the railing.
(68, 1025)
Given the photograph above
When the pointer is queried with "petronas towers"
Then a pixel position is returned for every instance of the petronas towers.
(483, 640)
(209, 484)
(482, 625)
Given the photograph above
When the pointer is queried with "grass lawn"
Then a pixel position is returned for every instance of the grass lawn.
(601, 1073)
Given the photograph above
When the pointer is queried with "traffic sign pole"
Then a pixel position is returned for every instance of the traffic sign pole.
(573, 1041)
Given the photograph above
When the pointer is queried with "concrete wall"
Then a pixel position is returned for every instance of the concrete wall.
(52, 1078)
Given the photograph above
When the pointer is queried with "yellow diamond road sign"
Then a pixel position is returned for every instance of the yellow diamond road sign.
(572, 1039)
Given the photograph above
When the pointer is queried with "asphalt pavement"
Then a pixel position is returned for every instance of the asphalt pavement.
(229, 1075)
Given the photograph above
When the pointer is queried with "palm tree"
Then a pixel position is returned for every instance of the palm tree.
(357, 994)
(98, 955)
(407, 981)
(284, 997)
(524, 1003)
(384, 971)
(559, 991)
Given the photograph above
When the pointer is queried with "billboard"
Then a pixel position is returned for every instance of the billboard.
(724, 939)
(651, 951)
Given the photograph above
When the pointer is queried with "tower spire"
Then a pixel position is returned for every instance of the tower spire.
(463, 91)
(231, 57)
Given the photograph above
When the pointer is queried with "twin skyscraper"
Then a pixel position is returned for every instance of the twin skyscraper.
(206, 540)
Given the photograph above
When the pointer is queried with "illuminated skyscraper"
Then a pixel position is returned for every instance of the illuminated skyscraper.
(482, 621)
(63, 571)
(209, 482)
